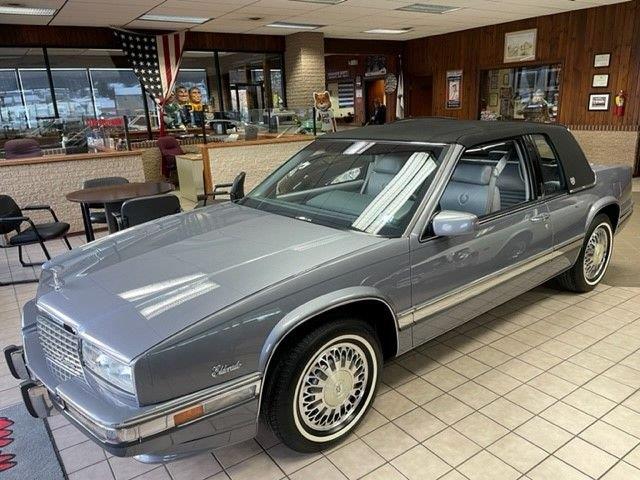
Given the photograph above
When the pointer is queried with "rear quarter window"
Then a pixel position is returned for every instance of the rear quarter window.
(550, 168)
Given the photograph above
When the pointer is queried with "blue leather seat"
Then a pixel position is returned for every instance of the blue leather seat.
(381, 172)
(471, 189)
(512, 186)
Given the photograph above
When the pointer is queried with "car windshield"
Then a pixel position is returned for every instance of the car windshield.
(369, 186)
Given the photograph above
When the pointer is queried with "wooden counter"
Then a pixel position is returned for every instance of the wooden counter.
(64, 158)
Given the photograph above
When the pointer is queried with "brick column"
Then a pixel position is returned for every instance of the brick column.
(304, 67)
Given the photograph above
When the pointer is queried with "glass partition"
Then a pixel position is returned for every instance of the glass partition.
(523, 93)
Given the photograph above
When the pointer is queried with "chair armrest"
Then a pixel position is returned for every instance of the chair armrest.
(222, 185)
(119, 219)
(37, 207)
(42, 207)
(14, 219)
(23, 219)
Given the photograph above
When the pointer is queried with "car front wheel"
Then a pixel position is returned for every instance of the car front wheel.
(593, 260)
(323, 384)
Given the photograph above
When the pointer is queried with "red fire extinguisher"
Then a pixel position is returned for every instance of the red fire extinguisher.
(620, 98)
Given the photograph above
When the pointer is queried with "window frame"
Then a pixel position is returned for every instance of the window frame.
(532, 177)
(536, 161)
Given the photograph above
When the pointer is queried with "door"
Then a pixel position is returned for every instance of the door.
(458, 278)
(374, 91)
(568, 212)
(248, 100)
(420, 102)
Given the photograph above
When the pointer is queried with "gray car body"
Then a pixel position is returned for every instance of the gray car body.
(187, 296)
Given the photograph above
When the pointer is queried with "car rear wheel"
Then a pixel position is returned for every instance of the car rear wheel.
(593, 260)
(323, 384)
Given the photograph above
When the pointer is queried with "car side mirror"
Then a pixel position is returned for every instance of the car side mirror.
(451, 223)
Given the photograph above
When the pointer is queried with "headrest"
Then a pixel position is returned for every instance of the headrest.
(469, 173)
(389, 164)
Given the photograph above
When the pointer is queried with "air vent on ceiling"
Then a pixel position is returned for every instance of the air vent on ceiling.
(428, 8)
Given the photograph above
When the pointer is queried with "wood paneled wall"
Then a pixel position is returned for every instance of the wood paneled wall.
(570, 39)
(95, 37)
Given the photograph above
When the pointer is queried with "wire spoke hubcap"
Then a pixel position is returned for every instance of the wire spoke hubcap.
(333, 386)
(596, 253)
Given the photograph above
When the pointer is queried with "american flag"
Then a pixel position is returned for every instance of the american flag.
(155, 60)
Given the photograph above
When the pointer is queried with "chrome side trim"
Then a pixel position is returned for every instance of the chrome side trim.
(175, 404)
(484, 284)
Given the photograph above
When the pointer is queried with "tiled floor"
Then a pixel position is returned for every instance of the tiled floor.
(544, 387)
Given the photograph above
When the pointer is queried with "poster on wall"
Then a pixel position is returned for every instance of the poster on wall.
(454, 89)
(376, 66)
(520, 46)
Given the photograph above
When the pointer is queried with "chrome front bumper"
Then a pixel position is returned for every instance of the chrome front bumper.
(203, 420)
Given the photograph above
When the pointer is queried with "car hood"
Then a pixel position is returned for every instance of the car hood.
(129, 291)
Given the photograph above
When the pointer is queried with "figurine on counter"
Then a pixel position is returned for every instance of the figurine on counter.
(172, 112)
(327, 119)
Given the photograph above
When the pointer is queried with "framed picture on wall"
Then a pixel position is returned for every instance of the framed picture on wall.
(505, 80)
(493, 99)
(493, 81)
(599, 102)
(454, 89)
(520, 46)
(601, 60)
(600, 80)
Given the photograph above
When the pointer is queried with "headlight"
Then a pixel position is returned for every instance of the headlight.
(105, 366)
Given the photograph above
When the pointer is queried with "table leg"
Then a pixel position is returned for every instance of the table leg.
(86, 220)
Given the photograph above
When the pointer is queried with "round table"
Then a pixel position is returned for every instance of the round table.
(112, 197)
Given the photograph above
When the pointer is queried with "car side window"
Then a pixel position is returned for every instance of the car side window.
(550, 169)
(487, 179)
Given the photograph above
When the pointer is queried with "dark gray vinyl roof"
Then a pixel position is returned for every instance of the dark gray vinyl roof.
(470, 133)
(445, 130)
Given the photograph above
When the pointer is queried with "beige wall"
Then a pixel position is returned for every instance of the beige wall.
(257, 161)
(304, 66)
(48, 183)
(608, 147)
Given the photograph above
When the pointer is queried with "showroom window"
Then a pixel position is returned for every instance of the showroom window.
(87, 83)
(98, 83)
(25, 93)
(523, 93)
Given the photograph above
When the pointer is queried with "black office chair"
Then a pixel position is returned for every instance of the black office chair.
(11, 220)
(235, 191)
(98, 215)
(144, 209)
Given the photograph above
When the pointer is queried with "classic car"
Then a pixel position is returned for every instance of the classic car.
(178, 335)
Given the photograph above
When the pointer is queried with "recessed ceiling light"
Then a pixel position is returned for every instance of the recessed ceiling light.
(295, 26)
(17, 9)
(388, 31)
(326, 2)
(151, 17)
(428, 8)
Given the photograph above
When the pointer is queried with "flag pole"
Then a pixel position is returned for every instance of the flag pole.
(161, 119)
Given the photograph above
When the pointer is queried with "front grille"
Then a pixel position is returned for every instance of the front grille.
(61, 349)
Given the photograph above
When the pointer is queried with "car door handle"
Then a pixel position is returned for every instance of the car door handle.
(543, 217)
